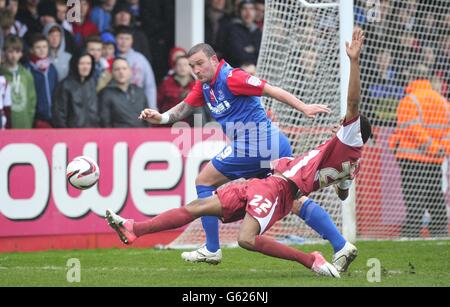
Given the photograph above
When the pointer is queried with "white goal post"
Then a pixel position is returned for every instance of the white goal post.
(346, 22)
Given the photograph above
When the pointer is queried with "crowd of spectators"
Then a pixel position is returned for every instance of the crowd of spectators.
(42, 54)
(400, 36)
(117, 57)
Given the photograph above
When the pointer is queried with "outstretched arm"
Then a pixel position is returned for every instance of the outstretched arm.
(283, 96)
(354, 88)
(178, 112)
(182, 110)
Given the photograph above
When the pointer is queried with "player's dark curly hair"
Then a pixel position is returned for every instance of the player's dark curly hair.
(366, 128)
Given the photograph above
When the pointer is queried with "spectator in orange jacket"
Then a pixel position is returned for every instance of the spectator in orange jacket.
(421, 142)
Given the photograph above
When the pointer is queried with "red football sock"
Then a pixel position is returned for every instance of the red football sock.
(270, 247)
(168, 220)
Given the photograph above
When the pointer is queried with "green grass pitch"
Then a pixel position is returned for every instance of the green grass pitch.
(406, 263)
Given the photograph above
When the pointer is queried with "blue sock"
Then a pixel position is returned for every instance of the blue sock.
(210, 223)
(319, 220)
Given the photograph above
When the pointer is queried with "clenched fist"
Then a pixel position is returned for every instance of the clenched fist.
(151, 116)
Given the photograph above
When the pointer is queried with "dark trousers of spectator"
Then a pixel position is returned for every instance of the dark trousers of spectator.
(422, 190)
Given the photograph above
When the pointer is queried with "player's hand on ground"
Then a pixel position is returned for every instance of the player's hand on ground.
(311, 110)
(151, 116)
(354, 49)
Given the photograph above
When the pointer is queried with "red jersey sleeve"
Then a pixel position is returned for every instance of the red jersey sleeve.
(195, 97)
(241, 83)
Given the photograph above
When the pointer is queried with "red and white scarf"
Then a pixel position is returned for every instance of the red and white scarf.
(41, 64)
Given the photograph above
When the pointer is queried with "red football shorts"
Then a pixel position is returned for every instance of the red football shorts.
(267, 200)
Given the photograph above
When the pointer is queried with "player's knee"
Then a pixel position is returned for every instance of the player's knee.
(199, 181)
(298, 205)
(196, 207)
(205, 178)
(246, 241)
(245, 244)
(209, 177)
(205, 207)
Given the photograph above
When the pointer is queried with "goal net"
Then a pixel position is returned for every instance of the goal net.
(300, 52)
(406, 41)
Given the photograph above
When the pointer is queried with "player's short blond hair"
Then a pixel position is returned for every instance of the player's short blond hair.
(207, 49)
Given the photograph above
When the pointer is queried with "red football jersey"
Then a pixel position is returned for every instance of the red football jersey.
(336, 160)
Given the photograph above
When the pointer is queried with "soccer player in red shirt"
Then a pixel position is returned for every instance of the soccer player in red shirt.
(262, 202)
